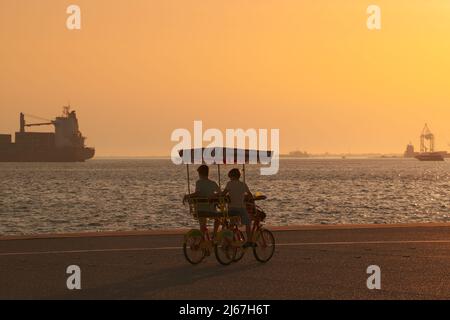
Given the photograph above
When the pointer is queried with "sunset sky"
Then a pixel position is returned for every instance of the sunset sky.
(138, 69)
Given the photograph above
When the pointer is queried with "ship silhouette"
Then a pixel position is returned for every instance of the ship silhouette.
(65, 144)
(427, 148)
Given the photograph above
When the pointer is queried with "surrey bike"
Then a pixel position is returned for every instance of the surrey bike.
(227, 244)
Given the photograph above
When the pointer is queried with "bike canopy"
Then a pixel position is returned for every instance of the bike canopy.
(221, 155)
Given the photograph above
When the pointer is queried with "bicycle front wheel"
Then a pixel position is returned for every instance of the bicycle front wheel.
(265, 245)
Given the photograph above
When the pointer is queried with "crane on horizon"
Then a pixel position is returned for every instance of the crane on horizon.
(427, 140)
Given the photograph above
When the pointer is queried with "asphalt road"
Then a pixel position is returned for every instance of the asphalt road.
(310, 263)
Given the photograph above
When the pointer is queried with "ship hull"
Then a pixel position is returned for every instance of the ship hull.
(16, 154)
(432, 156)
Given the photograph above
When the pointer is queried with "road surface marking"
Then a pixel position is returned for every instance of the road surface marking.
(298, 244)
(362, 242)
(85, 251)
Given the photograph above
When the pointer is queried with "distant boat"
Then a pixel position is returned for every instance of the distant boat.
(298, 154)
(427, 151)
(430, 156)
(66, 144)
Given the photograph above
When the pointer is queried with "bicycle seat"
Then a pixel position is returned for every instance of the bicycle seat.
(260, 197)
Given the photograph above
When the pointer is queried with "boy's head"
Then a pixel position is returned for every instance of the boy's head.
(234, 174)
(203, 171)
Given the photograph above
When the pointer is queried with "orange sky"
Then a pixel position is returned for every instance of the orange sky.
(139, 69)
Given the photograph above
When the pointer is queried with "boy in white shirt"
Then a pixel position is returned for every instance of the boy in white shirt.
(205, 188)
(238, 191)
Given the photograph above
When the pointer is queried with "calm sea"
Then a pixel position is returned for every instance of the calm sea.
(146, 194)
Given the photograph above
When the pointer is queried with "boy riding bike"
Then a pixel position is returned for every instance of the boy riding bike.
(205, 188)
(238, 191)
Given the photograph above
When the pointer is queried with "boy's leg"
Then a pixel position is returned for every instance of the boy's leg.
(204, 230)
(216, 227)
(248, 228)
(202, 222)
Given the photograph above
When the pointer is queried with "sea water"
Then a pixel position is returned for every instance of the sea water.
(146, 194)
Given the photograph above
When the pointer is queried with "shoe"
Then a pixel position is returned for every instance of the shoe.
(247, 245)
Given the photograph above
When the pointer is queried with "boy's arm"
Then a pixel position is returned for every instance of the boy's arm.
(192, 195)
(225, 190)
(195, 193)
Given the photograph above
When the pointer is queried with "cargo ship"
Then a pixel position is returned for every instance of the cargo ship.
(65, 144)
(427, 152)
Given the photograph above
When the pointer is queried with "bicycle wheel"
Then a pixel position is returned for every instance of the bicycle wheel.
(239, 240)
(193, 247)
(224, 249)
(265, 245)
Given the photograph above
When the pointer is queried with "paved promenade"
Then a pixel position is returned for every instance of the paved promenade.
(310, 263)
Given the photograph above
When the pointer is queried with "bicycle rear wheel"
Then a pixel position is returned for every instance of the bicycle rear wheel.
(193, 247)
(265, 246)
(224, 249)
